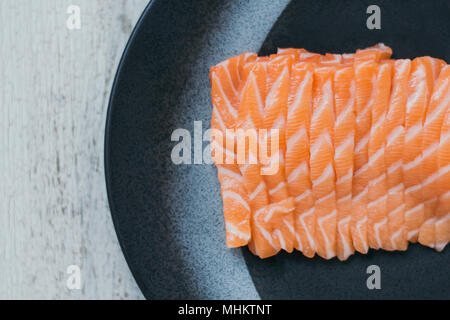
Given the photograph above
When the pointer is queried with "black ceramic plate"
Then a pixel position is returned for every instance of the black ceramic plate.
(168, 217)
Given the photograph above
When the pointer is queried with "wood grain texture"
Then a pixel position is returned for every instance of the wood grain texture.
(54, 90)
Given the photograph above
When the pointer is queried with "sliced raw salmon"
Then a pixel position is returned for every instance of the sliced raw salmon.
(427, 154)
(395, 135)
(364, 78)
(344, 141)
(378, 235)
(442, 223)
(297, 156)
(361, 148)
(251, 118)
(225, 98)
(322, 162)
(277, 88)
(435, 115)
(365, 69)
(291, 51)
(419, 91)
(376, 53)
(331, 59)
(270, 227)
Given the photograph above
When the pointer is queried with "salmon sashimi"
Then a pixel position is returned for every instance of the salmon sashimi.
(297, 156)
(395, 136)
(364, 78)
(365, 66)
(427, 154)
(419, 90)
(378, 235)
(225, 97)
(298, 170)
(377, 52)
(322, 162)
(278, 70)
(277, 87)
(251, 117)
(270, 221)
(442, 223)
(293, 52)
(344, 140)
(332, 154)
(331, 59)
(435, 116)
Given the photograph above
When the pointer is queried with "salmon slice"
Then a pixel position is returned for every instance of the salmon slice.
(277, 190)
(247, 67)
(270, 227)
(297, 167)
(331, 59)
(394, 144)
(342, 162)
(278, 75)
(225, 99)
(430, 145)
(348, 58)
(419, 91)
(301, 55)
(378, 235)
(244, 65)
(376, 53)
(365, 73)
(365, 68)
(435, 115)
(277, 86)
(235, 206)
(291, 51)
(442, 224)
(322, 162)
(251, 118)
(344, 140)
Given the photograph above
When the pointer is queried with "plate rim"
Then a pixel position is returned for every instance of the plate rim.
(107, 142)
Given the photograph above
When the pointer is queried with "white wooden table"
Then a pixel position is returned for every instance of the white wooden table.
(54, 90)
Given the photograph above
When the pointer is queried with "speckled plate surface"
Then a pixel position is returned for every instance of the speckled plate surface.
(168, 218)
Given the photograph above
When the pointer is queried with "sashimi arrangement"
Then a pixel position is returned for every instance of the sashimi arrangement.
(363, 151)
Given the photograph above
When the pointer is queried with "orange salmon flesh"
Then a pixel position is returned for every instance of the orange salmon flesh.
(356, 151)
